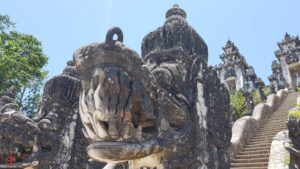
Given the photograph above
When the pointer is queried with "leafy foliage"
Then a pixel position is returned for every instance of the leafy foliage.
(256, 97)
(5, 23)
(29, 96)
(287, 160)
(294, 113)
(267, 91)
(21, 65)
(238, 101)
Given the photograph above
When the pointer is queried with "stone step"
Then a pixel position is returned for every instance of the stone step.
(244, 152)
(254, 164)
(272, 126)
(283, 110)
(250, 160)
(257, 145)
(262, 139)
(255, 154)
(263, 135)
(278, 123)
(267, 132)
(246, 156)
(256, 148)
(249, 167)
(265, 142)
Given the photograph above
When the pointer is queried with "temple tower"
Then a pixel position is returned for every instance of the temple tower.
(288, 56)
(235, 72)
(277, 81)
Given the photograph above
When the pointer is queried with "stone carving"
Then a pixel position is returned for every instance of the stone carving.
(235, 72)
(53, 138)
(277, 80)
(167, 109)
(292, 144)
(249, 105)
(286, 73)
(260, 85)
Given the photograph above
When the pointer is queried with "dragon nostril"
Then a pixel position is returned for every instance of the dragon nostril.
(149, 130)
(105, 125)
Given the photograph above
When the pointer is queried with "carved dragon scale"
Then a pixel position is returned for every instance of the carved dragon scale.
(166, 109)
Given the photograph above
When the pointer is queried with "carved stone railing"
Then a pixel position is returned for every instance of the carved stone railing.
(285, 147)
(244, 128)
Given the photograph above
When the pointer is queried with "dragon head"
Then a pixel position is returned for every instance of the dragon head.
(166, 109)
(121, 106)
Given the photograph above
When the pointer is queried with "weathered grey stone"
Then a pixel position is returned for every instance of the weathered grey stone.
(53, 138)
(292, 143)
(276, 79)
(272, 101)
(244, 128)
(279, 157)
(167, 109)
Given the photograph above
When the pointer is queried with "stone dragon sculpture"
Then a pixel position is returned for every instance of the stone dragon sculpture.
(292, 143)
(164, 110)
(53, 138)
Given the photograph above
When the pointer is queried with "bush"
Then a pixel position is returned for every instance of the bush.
(295, 113)
(267, 91)
(237, 102)
(256, 97)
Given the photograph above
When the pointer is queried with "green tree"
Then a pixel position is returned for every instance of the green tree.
(5, 23)
(21, 65)
(238, 101)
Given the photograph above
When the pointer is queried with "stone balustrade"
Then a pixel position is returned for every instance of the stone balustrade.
(244, 128)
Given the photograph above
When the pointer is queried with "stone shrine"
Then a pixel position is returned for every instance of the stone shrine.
(235, 72)
(288, 57)
(277, 80)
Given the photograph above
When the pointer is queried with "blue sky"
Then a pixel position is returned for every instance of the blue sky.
(255, 26)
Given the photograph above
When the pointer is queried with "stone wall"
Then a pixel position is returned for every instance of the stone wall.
(279, 156)
(285, 148)
(244, 128)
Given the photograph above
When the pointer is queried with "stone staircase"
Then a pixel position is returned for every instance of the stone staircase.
(255, 154)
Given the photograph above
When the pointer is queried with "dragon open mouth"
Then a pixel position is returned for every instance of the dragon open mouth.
(118, 116)
(17, 140)
(120, 103)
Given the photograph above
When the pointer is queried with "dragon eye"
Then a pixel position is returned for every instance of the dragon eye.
(163, 77)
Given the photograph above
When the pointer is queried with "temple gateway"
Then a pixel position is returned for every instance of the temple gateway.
(235, 72)
(286, 72)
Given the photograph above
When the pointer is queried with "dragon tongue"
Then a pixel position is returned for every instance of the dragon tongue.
(120, 151)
